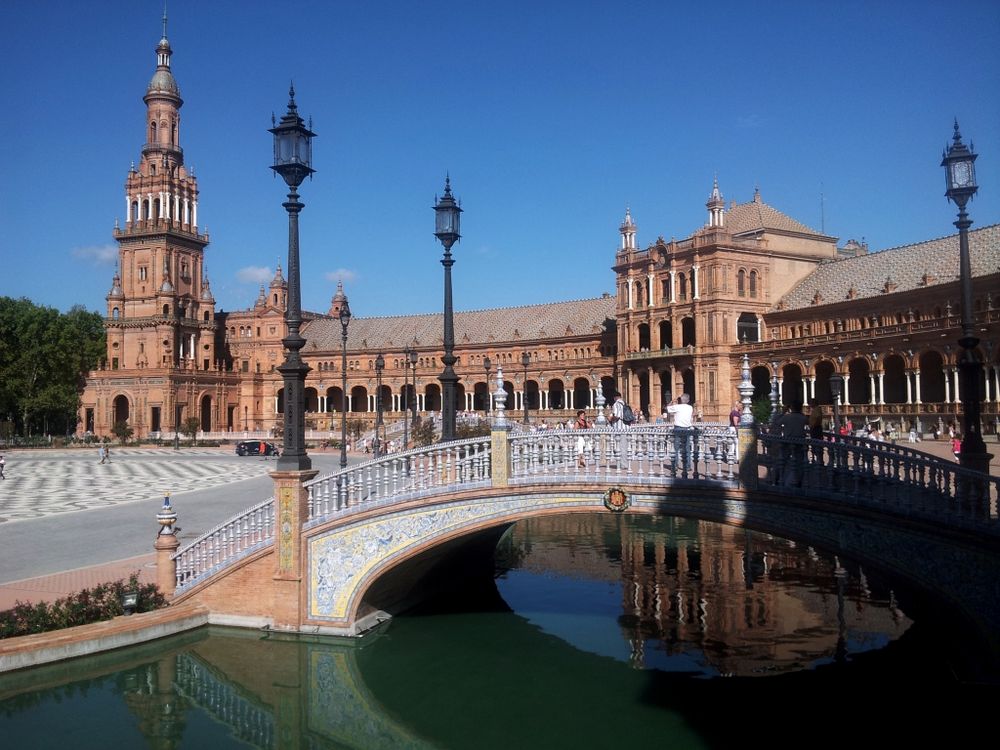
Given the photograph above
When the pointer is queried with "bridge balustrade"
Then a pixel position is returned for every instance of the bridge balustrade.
(639, 454)
(460, 464)
(881, 476)
(251, 530)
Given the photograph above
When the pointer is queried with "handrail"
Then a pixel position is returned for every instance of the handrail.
(870, 474)
(640, 454)
(401, 475)
(232, 539)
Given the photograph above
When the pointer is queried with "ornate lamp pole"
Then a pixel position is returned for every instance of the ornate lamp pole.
(413, 366)
(379, 425)
(525, 361)
(345, 320)
(836, 386)
(959, 162)
(447, 216)
(405, 403)
(293, 161)
(487, 365)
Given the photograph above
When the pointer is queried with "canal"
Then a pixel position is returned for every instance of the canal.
(602, 630)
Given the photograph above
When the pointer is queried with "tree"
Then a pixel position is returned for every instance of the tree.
(423, 433)
(190, 427)
(44, 362)
(355, 427)
(122, 431)
(761, 410)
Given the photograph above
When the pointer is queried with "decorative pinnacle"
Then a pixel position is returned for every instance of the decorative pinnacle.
(164, 19)
(958, 136)
(447, 184)
(291, 97)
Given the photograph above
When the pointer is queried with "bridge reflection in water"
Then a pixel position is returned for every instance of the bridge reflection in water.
(601, 630)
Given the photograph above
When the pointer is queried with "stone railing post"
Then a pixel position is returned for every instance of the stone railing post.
(166, 545)
(747, 437)
(500, 437)
(291, 511)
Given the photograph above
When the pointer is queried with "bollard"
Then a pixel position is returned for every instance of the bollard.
(165, 546)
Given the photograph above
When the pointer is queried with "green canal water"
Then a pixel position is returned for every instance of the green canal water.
(602, 631)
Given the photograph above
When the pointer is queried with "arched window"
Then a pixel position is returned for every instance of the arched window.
(206, 314)
(276, 300)
(152, 132)
(682, 283)
(166, 310)
(753, 283)
(114, 313)
(741, 283)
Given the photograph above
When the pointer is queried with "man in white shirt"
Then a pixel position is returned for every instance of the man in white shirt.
(683, 414)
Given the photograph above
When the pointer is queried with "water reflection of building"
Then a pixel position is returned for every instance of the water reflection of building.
(735, 601)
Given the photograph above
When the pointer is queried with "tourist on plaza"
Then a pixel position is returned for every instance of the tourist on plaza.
(107, 453)
(956, 446)
(793, 423)
(815, 419)
(683, 414)
(103, 453)
(618, 413)
(581, 442)
(3, 465)
(913, 434)
(734, 416)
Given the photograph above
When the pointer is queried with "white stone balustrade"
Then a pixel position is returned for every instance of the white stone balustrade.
(398, 476)
(249, 531)
(649, 454)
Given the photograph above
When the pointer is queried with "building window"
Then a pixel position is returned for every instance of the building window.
(741, 283)
(753, 283)
(142, 273)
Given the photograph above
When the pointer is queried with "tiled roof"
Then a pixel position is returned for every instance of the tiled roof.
(499, 325)
(898, 269)
(757, 215)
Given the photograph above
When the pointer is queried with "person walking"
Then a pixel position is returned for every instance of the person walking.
(581, 442)
(683, 414)
(3, 465)
(103, 453)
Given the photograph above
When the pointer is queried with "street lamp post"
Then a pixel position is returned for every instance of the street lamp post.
(488, 365)
(345, 320)
(525, 361)
(836, 386)
(406, 397)
(447, 216)
(959, 162)
(379, 425)
(413, 366)
(293, 161)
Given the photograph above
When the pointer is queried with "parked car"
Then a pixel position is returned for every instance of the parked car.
(256, 448)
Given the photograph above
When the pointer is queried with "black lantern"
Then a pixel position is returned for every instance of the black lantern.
(446, 229)
(345, 320)
(959, 164)
(292, 145)
(293, 161)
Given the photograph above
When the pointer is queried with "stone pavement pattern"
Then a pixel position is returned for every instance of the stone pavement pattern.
(44, 483)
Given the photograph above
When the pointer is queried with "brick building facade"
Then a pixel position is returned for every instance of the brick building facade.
(750, 280)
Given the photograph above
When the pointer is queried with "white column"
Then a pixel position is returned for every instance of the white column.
(781, 385)
(916, 384)
(128, 210)
(149, 206)
(673, 297)
(543, 402)
(996, 383)
(160, 214)
(881, 388)
(847, 383)
(568, 398)
(194, 220)
(811, 390)
(350, 404)
(191, 353)
(275, 404)
(760, 329)
(629, 281)
(187, 212)
(694, 281)
(947, 386)
(954, 390)
(649, 291)
(909, 389)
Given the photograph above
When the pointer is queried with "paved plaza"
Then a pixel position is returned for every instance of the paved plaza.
(43, 483)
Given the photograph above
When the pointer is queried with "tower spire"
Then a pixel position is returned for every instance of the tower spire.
(715, 205)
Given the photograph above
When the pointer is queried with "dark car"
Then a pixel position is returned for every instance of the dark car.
(256, 448)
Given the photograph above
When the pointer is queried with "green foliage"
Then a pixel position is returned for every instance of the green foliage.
(122, 431)
(190, 427)
(44, 361)
(761, 410)
(479, 428)
(102, 602)
(355, 427)
(423, 433)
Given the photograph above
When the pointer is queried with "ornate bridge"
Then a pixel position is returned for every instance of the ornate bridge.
(337, 553)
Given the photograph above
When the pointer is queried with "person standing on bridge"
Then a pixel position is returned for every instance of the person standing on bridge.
(683, 414)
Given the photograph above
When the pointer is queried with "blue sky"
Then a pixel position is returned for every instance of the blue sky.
(551, 117)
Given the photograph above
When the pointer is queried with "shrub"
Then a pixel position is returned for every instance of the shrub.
(102, 602)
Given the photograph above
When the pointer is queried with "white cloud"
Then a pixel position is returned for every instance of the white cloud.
(98, 255)
(341, 274)
(254, 274)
